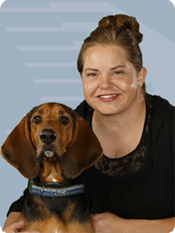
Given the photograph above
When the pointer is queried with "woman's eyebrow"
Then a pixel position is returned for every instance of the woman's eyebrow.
(115, 67)
(90, 69)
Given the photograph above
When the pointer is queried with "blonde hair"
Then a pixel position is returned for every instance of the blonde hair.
(121, 30)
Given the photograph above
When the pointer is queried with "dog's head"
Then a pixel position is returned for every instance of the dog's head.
(53, 141)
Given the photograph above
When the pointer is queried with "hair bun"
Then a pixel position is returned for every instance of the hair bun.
(123, 22)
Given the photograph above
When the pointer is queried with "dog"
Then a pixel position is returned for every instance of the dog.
(52, 146)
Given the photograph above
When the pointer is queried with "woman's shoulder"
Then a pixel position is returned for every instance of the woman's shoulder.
(160, 101)
(80, 109)
(84, 110)
(162, 107)
(163, 114)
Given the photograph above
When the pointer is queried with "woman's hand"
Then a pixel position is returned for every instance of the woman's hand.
(15, 227)
(107, 223)
(111, 223)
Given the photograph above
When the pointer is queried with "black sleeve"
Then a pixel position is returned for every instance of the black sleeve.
(80, 109)
(18, 205)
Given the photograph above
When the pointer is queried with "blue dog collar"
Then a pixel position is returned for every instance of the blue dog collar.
(55, 192)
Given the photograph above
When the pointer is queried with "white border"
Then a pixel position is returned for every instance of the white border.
(0, 7)
(172, 2)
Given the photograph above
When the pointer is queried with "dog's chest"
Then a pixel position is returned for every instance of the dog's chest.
(62, 215)
(53, 225)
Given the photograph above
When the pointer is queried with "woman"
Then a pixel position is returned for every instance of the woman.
(130, 189)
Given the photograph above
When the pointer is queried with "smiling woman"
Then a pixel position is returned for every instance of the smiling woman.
(127, 122)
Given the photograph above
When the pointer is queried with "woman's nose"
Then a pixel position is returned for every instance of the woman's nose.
(105, 82)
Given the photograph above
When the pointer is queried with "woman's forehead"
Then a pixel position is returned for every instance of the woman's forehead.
(104, 56)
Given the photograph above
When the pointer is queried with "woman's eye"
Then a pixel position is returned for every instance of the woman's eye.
(119, 72)
(92, 74)
(37, 119)
(64, 120)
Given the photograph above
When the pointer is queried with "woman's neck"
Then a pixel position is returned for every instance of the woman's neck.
(121, 131)
(122, 121)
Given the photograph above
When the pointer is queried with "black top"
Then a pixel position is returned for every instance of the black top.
(140, 184)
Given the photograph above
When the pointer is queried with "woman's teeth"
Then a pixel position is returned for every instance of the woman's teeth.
(107, 96)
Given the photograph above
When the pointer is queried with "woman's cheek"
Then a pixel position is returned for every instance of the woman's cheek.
(88, 88)
(128, 85)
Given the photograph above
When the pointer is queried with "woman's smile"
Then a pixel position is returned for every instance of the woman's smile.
(108, 97)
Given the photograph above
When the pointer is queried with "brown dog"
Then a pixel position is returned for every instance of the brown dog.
(53, 145)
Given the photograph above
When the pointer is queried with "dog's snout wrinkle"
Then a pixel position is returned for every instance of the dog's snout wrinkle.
(48, 136)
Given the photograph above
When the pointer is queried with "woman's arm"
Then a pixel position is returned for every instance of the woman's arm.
(12, 218)
(108, 222)
(15, 210)
(13, 226)
(16, 227)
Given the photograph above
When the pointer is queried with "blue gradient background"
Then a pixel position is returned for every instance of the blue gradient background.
(39, 46)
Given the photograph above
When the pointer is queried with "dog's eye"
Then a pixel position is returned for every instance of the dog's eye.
(36, 119)
(64, 120)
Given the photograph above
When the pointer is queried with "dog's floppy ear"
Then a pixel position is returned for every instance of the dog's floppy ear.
(19, 152)
(84, 150)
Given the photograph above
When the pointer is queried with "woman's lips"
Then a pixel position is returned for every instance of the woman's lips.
(108, 98)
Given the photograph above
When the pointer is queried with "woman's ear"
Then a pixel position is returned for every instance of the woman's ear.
(84, 150)
(142, 76)
(19, 152)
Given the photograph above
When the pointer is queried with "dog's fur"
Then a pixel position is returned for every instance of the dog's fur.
(54, 159)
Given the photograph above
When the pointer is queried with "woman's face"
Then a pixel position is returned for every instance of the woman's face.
(110, 82)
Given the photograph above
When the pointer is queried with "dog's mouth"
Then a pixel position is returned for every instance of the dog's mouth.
(49, 153)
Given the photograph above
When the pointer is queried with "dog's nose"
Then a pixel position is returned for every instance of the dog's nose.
(48, 136)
